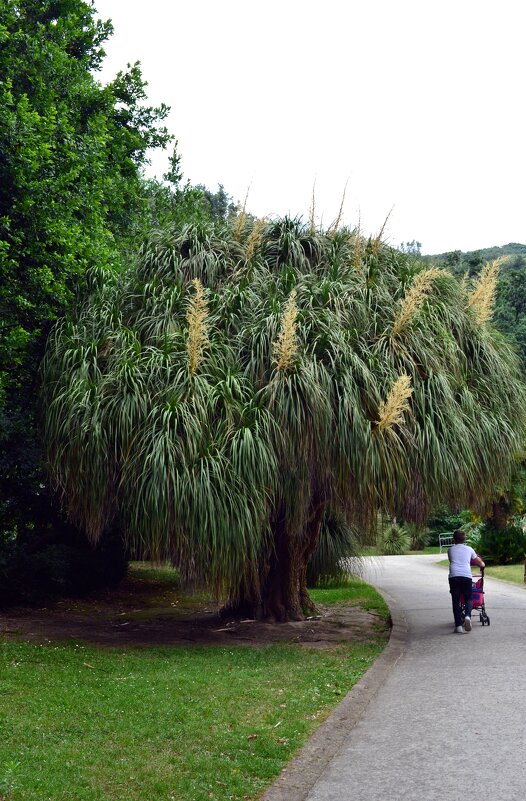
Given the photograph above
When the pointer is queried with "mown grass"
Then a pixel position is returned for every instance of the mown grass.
(162, 573)
(81, 723)
(513, 573)
(356, 592)
(372, 550)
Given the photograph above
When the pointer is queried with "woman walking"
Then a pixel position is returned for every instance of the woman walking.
(461, 557)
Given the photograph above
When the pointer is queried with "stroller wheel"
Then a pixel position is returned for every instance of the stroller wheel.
(482, 620)
(487, 620)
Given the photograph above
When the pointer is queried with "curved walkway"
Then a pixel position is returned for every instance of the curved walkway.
(449, 719)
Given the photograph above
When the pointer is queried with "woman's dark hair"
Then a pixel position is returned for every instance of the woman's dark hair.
(458, 536)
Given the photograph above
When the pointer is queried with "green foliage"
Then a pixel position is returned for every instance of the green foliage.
(418, 536)
(223, 468)
(338, 543)
(460, 261)
(473, 537)
(393, 540)
(219, 204)
(68, 566)
(503, 547)
(172, 202)
(71, 201)
(443, 519)
(510, 306)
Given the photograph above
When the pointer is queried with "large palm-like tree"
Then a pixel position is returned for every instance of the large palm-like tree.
(239, 385)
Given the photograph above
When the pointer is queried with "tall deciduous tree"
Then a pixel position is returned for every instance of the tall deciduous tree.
(243, 382)
(71, 152)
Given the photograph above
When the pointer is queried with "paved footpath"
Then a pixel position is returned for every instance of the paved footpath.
(449, 721)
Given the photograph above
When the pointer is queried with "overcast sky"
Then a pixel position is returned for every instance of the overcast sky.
(417, 106)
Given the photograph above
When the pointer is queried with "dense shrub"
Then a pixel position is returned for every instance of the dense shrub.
(442, 520)
(418, 537)
(30, 574)
(393, 540)
(504, 547)
(473, 532)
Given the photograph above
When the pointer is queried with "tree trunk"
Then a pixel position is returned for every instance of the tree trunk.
(499, 514)
(280, 592)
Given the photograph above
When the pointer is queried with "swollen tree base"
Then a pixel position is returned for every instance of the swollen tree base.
(274, 610)
(279, 592)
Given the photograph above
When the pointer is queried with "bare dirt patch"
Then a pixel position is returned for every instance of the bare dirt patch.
(142, 612)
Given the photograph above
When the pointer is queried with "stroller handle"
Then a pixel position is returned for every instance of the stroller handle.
(479, 575)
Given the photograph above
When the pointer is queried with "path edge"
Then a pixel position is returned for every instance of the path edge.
(296, 780)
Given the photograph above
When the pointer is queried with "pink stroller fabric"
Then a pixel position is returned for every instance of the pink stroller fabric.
(478, 594)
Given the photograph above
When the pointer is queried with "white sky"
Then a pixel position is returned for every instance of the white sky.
(417, 105)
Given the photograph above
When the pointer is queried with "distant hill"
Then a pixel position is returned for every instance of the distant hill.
(510, 306)
(472, 260)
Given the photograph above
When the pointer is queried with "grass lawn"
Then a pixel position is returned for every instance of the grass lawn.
(84, 723)
(372, 550)
(513, 573)
(356, 592)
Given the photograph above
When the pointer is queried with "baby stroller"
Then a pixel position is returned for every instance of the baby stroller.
(479, 607)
